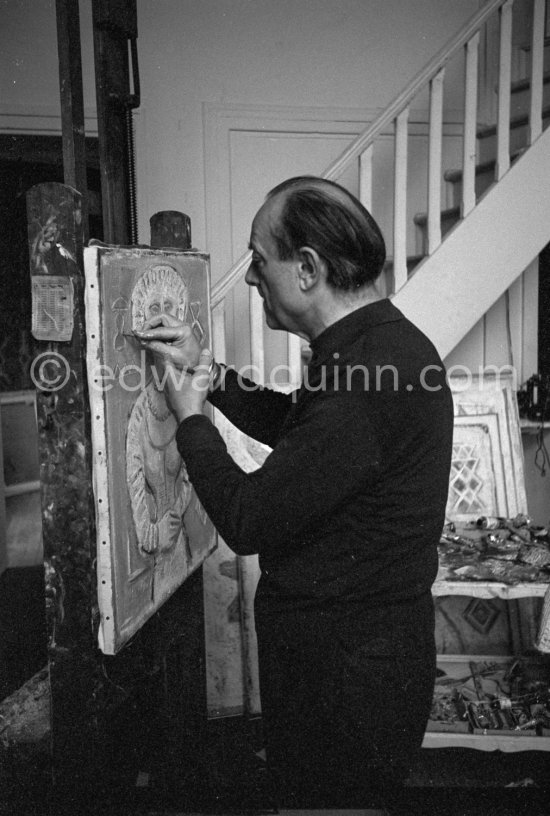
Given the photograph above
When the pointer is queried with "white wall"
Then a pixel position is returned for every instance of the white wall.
(29, 69)
(353, 53)
(321, 53)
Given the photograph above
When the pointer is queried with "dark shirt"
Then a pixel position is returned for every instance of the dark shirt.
(350, 504)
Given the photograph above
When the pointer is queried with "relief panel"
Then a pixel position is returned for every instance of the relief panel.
(487, 473)
(152, 531)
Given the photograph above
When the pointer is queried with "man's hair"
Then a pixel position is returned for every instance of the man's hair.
(321, 214)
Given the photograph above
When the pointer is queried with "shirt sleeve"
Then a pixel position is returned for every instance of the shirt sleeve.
(257, 411)
(322, 461)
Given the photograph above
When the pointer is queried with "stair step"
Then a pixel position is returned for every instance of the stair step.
(387, 283)
(451, 215)
(516, 122)
(524, 84)
(448, 217)
(412, 261)
(455, 176)
(484, 178)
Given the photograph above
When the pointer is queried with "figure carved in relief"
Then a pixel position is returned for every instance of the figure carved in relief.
(158, 485)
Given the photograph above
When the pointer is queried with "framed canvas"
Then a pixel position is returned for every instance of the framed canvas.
(487, 473)
(152, 531)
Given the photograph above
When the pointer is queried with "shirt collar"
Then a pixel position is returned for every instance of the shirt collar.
(350, 328)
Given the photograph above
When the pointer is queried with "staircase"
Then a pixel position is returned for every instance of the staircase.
(471, 247)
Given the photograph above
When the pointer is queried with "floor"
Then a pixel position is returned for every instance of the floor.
(456, 782)
(22, 626)
(231, 776)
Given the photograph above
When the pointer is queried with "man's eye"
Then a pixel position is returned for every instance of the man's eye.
(256, 260)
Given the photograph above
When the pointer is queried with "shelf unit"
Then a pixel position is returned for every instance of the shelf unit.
(486, 742)
(531, 426)
(489, 589)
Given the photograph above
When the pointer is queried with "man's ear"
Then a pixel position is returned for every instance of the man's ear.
(311, 268)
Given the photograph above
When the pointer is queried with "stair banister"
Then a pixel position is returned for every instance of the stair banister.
(223, 287)
(435, 140)
(403, 99)
(381, 123)
(295, 361)
(537, 66)
(218, 331)
(504, 82)
(365, 177)
(470, 124)
(400, 200)
(257, 353)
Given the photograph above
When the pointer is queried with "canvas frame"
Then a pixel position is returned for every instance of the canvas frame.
(133, 582)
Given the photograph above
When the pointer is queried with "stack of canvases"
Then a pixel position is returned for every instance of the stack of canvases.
(489, 536)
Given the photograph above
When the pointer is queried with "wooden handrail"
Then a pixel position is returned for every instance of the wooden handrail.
(221, 289)
(403, 99)
(383, 121)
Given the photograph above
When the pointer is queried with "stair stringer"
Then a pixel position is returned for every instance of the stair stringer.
(483, 254)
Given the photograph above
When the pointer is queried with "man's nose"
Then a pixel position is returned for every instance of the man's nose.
(250, 276)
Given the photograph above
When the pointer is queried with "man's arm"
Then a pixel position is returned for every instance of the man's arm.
(256, 411)
(320, 463)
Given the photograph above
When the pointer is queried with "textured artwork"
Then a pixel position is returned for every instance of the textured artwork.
(476, 479)
(486, 476)
(486, 479)
(230, 585)
(152, 530)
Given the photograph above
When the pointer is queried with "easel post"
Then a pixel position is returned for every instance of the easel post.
(149, 700)
(55, 249)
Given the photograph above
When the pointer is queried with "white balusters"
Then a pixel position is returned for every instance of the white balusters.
(504, 84)
(257, 355)
(537, 60)
(400, 201)
(435, 140)
(221, 289)
(365, 177)
(295, 360)
(218, 331)
(470, 123)
(248, 574)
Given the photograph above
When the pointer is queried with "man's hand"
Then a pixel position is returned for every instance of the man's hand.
(186, 393)
(171, 341)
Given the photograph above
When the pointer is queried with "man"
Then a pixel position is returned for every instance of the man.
(347, 510)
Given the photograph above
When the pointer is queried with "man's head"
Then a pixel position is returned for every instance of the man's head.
(316, 251)
(326, 217)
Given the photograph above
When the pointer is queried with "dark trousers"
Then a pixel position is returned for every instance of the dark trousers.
(346, 695)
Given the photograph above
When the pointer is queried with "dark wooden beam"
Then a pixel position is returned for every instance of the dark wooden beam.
(33, 149)
(72, 102)
(65, 456)
(145, 708)
(114, 24)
